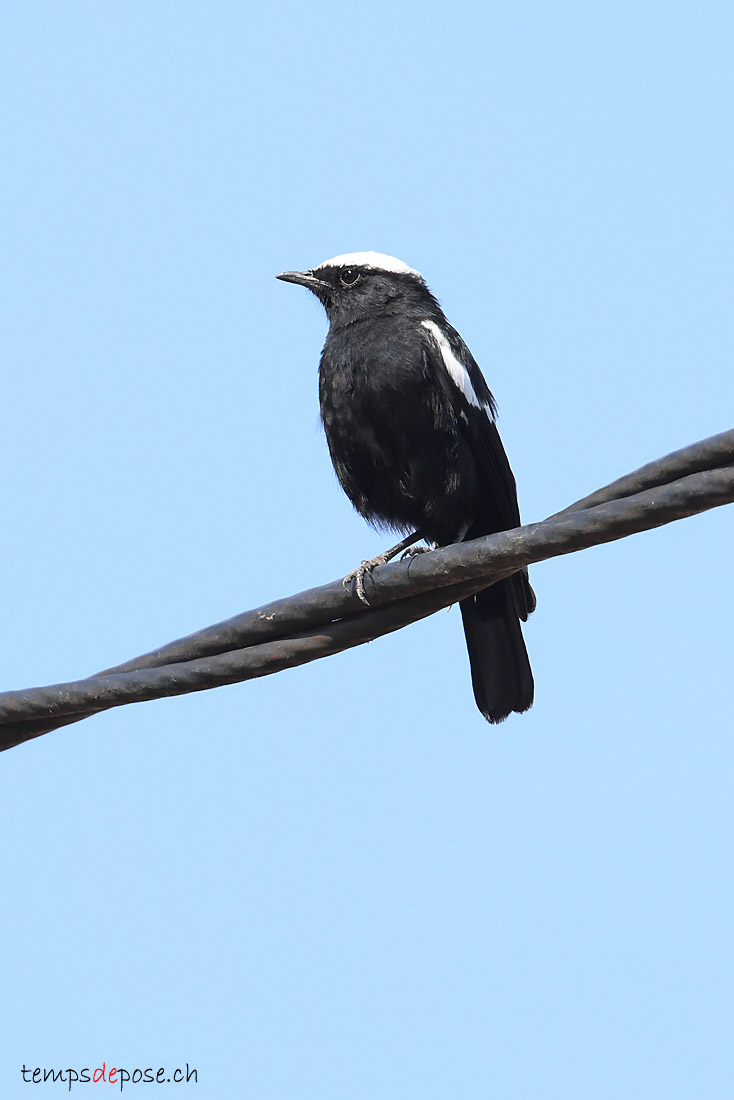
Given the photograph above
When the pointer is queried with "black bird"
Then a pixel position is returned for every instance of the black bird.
(410, 424)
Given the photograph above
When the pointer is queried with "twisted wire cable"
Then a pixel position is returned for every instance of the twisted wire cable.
(326, 620)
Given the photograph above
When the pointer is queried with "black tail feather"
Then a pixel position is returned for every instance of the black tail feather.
(500, 668)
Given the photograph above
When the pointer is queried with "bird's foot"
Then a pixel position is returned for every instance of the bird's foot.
(358, 575)
(365, 569)
(414, 551)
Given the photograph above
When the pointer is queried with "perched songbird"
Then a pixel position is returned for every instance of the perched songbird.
(410, 424)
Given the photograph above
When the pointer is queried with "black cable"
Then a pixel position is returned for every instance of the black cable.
(415, 589)
(707, 454)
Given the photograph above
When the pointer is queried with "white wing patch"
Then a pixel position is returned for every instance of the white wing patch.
(378, 261)
(457, 371)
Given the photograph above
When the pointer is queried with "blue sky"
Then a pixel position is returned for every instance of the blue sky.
(339, 881)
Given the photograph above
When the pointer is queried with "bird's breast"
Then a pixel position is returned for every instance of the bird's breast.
(391, 433)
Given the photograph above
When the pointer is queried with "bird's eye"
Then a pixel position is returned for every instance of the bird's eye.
(349, 276)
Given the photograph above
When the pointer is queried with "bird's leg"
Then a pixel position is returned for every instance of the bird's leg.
(357, 575)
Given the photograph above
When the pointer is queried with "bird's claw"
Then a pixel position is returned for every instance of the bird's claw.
(413, 551)
(368, 566)
(358, 575)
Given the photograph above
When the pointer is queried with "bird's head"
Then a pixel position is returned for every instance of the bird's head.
(362, 284)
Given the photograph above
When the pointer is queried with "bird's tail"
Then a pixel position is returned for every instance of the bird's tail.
(500, 668)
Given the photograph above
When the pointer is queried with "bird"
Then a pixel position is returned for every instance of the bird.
(411, 429)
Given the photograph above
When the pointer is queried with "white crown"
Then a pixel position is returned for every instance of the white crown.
(378, 261)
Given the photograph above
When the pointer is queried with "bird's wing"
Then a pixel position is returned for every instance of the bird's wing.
(463, 383)
(450, 361)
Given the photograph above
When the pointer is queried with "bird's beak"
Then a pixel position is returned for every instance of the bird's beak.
(303, 278)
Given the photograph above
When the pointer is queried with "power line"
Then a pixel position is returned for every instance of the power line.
(326, 620)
